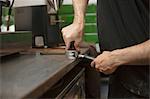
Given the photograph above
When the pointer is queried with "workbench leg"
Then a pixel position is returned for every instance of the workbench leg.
(92, 81)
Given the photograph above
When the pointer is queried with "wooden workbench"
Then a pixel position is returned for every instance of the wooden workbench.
(31, 75)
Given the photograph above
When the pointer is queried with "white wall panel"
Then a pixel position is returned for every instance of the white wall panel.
(22, 3)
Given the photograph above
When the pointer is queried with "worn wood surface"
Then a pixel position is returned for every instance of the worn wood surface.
(29, 76)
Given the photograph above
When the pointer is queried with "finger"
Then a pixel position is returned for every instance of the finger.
(105, 69)
(67, 45)
(62, 31)
(99, 67)
(76, 44)
(106, 65)
(97, 70)
(101, 70)
(67, 42)
(93, 64)
(107, 72)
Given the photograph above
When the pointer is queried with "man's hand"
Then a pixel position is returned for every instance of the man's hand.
(107, 62)
(73, 32)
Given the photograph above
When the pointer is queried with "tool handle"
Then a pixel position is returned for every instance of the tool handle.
(72, 47)
(89, 57)
(85, 56)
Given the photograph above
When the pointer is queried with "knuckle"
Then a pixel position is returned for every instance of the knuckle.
(67, 36)
(96, 66)
(105, 52)
(62, 30)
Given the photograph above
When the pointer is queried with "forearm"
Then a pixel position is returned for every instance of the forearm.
(74, 31)
(79, 10)
(138, 54)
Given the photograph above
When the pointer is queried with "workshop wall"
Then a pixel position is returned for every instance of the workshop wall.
(66, 14)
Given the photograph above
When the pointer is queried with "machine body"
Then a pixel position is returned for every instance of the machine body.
(40, 17)
(72, 53)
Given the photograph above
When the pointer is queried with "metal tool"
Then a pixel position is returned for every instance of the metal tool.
(72, 53)
(85, 56)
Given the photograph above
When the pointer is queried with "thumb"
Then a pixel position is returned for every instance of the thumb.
(93, 64)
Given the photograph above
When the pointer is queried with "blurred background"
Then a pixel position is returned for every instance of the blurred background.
(66, 14)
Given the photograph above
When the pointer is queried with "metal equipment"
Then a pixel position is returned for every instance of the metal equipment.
(72, 53)
(36, 25)
(40, 17)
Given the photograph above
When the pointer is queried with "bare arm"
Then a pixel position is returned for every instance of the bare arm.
(109, 61)
(79, 10)
(74, 32)
(138, 54)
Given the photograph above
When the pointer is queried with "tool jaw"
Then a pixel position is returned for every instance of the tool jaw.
(72, 54)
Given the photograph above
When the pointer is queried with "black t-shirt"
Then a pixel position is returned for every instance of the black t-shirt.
(123, 23)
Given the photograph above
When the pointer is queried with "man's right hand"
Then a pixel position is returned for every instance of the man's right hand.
(73, 32)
